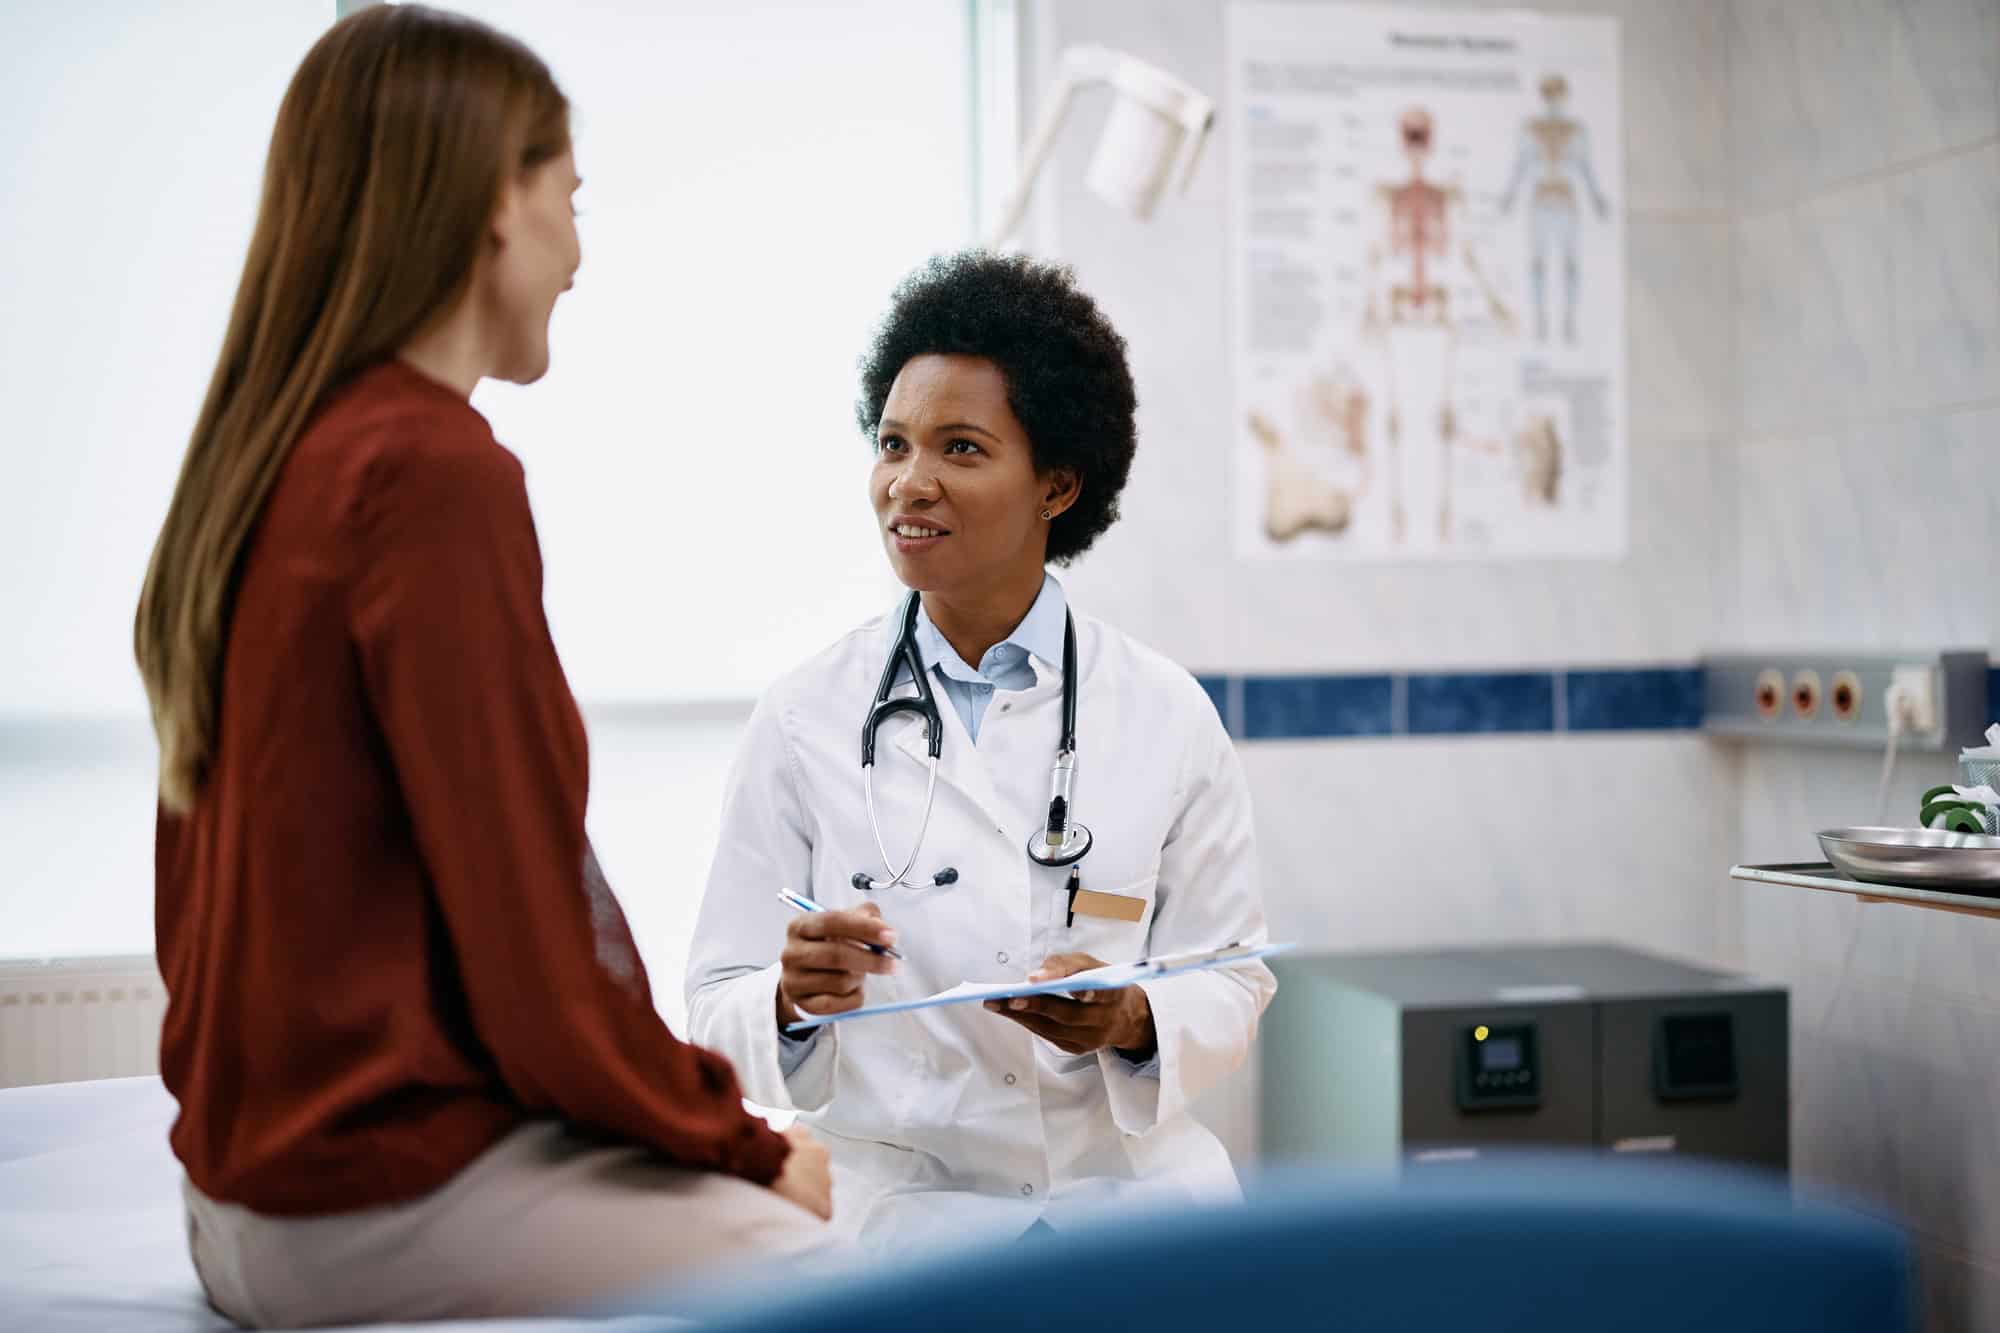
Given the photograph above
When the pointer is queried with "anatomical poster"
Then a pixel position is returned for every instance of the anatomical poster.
(1428, 264)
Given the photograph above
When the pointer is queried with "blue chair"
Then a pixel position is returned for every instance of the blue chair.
(1538, 1246)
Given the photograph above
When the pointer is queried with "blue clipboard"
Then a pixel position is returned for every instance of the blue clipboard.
(1114, 977)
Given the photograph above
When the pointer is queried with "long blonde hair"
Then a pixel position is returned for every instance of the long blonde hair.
(386, 164)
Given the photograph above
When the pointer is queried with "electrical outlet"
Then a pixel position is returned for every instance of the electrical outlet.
(1840, 697)
(1913, 690)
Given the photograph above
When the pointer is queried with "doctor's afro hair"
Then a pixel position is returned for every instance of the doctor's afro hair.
(1067, 381)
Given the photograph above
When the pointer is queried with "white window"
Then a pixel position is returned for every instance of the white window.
(135, 148)
(758, 177)
(131, 165)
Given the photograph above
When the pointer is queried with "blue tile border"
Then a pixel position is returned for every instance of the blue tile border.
(1468, 703)
(1482, 703)
(1585, 700)
(1641, 699)
(1301, 707)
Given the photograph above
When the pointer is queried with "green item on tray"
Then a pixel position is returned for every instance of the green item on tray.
(1953, 813)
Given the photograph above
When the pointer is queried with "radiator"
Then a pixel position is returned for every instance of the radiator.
(65, 1019)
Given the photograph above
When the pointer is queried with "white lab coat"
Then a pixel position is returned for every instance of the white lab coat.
(953, 1121)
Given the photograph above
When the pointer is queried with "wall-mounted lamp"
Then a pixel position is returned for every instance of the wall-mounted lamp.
(1154, 135)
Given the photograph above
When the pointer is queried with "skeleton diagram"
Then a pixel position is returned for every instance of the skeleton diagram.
(1560, 145)
(1410, 311)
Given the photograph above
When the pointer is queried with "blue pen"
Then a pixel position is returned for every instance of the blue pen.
(800, 903)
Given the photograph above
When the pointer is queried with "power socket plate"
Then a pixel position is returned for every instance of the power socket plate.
(1732, 682)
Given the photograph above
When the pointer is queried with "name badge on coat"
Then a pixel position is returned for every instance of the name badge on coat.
(1107, 906)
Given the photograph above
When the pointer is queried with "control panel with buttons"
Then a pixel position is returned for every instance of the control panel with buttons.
(1499, 1066)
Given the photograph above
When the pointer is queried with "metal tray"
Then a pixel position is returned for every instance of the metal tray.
(1927, 858)
(1822, 876)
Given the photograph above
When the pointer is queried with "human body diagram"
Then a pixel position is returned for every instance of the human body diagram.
(1555, 149)
(1422, 415)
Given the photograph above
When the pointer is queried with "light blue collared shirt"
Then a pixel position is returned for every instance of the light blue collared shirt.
(1005, 665)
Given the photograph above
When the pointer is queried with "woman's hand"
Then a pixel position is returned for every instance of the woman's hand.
(807, 1176)
(1121, 1019)
(821, 969)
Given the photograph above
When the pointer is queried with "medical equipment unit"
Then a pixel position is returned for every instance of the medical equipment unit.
(1062, 842)
(1443, 1056)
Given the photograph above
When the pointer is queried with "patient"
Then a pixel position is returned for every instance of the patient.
(419, 1069)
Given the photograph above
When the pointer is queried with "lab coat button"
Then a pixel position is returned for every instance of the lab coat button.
(1027, 1190)
(1010, 1080)
(1000, 957)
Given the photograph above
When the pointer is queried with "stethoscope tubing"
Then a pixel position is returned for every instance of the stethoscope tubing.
(900, 877)
(1064, 841)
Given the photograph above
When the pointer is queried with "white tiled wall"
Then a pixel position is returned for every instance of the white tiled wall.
(1849, 532)
(1866, 465)
(1823, 91)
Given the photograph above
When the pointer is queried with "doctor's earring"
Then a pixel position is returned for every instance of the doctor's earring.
(1047, 514)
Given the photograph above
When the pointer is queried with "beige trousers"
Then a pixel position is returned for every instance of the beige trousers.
(541, 1223)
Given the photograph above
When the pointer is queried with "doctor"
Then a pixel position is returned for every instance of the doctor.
(1000, 409)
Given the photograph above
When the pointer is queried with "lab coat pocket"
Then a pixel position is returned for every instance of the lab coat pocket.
(1112, 924)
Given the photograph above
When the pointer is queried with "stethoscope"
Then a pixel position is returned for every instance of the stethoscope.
(1062, 842)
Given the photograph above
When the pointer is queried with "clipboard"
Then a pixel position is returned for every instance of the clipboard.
(1112, 977)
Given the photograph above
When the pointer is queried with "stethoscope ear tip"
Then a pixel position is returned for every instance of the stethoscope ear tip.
(862, 881)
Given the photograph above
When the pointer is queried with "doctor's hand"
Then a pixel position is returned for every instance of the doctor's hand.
(1121, 1019)
(822, 966)
(807, 1175)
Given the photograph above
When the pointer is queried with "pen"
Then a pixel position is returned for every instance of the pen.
(800, 903)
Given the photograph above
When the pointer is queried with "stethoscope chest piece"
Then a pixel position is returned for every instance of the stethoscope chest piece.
(1062, 840)
(1066, 848)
